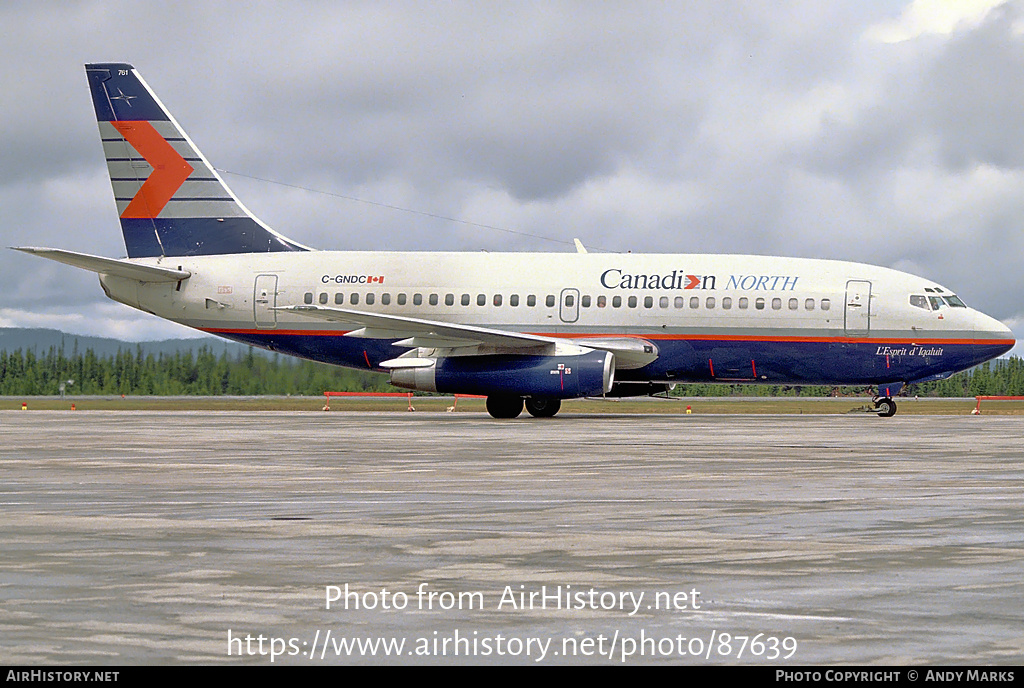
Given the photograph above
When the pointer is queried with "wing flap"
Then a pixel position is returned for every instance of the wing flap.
(426, 333)
(409, 363)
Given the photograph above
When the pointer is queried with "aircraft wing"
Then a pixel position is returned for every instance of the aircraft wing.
(109, 266)
(415, 332)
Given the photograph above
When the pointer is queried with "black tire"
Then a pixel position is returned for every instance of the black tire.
(504, 407)
(886, 408)
(543, 407)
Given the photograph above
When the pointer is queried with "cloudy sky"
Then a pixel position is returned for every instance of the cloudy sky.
(889, 132)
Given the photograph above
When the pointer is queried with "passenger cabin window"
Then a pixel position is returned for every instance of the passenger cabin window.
(631, 302)
(481, 299)
(449, 299)
(369, 299)
(550, 301)
(648, 302)
(323, 298)
(616, 302)
(385, 299)
(417, 299)
(809, 305)
(308, 298)
(339, 299)
(513, 300)
(465, 299)
(531, 300)
(497, 299)
(433, 299)
(826, 304)
(402, 298)
(354, 299)
(744, 301)
(726, 302)
(694, 302)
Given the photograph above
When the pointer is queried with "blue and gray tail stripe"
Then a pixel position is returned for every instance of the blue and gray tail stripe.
(170, 199)
(202, 194)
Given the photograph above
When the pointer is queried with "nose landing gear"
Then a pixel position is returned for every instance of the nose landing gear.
(885, 407)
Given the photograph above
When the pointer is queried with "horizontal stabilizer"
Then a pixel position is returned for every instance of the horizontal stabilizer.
(109, 266)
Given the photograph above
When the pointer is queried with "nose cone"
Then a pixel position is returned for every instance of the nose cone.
(995, 337)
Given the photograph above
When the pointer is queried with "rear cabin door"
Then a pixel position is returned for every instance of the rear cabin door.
(264, 301)
(858, 308)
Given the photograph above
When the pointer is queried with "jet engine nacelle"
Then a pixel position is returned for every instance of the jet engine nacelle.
(556, 377)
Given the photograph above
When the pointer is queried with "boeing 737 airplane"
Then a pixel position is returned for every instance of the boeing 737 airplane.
(518, 328)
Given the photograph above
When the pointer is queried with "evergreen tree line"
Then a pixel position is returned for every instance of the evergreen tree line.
(203, 373)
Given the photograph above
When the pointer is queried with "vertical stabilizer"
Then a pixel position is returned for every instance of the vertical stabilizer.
(170, 199)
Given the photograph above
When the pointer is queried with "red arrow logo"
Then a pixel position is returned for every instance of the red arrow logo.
(169, 169)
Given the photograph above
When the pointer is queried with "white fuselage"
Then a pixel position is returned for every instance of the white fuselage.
(712, 303)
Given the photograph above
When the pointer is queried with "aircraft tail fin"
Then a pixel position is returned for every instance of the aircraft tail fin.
(171, 201)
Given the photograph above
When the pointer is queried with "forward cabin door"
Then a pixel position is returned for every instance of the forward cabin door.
(264, 301)
(858, 308)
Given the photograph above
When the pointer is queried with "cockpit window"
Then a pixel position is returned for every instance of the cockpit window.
(934, 303)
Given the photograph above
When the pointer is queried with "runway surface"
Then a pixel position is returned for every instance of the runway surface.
(198, 537)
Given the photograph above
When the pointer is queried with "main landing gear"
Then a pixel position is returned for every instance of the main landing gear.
(502, 406)
(539, 407)
(885, 407)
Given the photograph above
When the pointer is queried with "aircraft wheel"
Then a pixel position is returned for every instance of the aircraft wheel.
(504, 407)
(542, 407)
(886, 407)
